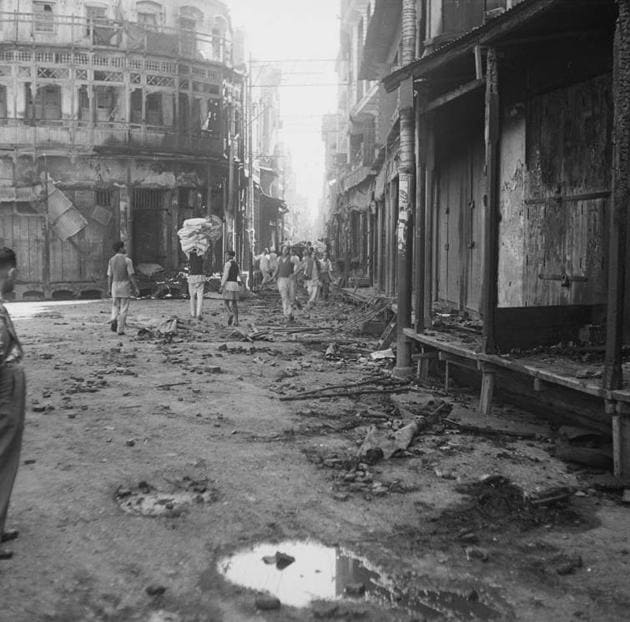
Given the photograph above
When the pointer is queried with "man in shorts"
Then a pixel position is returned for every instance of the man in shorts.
(121, 282)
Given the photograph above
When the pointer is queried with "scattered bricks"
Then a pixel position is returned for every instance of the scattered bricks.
(155, 590)
(355, 590)
(476, 552)
(565, 565)
(130, 443)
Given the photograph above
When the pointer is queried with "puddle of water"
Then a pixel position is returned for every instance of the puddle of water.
(321, 573)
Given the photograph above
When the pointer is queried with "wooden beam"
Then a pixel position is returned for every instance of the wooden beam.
(620, 203)
(460, 91)
(489, 295)
(483, 36)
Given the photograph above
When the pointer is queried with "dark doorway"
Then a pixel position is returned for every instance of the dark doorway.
(150, 227)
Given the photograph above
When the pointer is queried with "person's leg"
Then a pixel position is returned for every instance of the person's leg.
(114, 314)
(122, 316)
(12, 396)
(191, 294)
(292, 295)
(228, 312)
(284, 285)
(235, 311)
(199, 292)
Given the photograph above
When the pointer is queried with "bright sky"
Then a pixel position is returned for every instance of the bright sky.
(292, 30)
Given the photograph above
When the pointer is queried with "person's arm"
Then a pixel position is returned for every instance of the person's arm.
(132, 277)
(110, 279)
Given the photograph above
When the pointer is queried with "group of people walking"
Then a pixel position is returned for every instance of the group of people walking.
(317, 273)
(287, 270)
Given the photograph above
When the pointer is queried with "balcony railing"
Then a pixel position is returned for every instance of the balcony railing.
(71, 30)
(112, 136)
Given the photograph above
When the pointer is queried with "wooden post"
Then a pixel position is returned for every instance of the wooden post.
(420, 218)
(491, 205)
(621, 439)
(430, 202)
(487, 391)
(620, 200)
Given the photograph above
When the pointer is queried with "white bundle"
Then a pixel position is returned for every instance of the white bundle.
(195, 235)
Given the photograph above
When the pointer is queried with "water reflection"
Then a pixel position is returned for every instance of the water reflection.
(322, 573)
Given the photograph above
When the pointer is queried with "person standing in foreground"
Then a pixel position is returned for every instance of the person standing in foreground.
(311, 274)
(196, 284)
(326, 275)
(12, 397)
(284, 274)
(121, 280)
(231, 288)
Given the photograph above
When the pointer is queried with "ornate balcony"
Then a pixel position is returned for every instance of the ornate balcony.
(103, 85)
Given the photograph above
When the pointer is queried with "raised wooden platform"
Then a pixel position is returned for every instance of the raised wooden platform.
(464, 350)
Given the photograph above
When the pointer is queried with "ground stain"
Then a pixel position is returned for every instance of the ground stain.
(323, 573)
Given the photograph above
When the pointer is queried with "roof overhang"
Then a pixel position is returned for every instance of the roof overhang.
(382, 29)
(528, 19)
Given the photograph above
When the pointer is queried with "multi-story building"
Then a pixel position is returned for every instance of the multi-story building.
(114, 124)
(361, 144)
(269, 157)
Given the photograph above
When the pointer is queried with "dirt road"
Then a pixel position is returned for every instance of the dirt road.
(147, 463)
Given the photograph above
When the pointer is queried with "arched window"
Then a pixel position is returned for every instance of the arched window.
(190, 18)
(149, 14)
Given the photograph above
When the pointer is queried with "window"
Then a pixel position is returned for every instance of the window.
(84, 104)
(44, 20)
(48, 103)
(135, 106)
(149, 14)
(148, 21)
(95, 15)
(154, 109)
(106, 103)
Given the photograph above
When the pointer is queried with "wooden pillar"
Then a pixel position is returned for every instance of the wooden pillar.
(620, 200)
(491, 205)
(420, 217)
(621, 438)
(430, 204)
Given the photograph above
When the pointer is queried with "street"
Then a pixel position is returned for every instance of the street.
(149, 459)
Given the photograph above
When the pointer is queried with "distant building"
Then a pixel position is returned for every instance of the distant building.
(269, 158)
(114, 120)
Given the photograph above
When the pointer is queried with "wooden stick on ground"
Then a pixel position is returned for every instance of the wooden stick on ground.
(296, 398)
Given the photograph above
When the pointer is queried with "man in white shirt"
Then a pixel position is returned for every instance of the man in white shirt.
(121, 280)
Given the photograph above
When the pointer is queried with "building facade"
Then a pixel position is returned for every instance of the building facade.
(361, 142)
(519, 205)
(115, 123)
(268, 158)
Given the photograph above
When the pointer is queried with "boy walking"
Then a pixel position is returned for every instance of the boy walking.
(121, 281)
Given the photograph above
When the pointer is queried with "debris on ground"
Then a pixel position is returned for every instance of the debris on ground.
(280, 560)
(147, 500)
(266, 602)
(383, 355)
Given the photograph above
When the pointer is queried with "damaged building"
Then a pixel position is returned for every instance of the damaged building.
(114, 124)
(512, 225)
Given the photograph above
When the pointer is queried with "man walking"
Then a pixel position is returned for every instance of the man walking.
(196, 284)
(12, 397)
(121, 281)
(284, 273)
(311, 274)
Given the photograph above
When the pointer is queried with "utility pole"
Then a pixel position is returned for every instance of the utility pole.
(406, 192)
(251, 225)
(230, 215)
